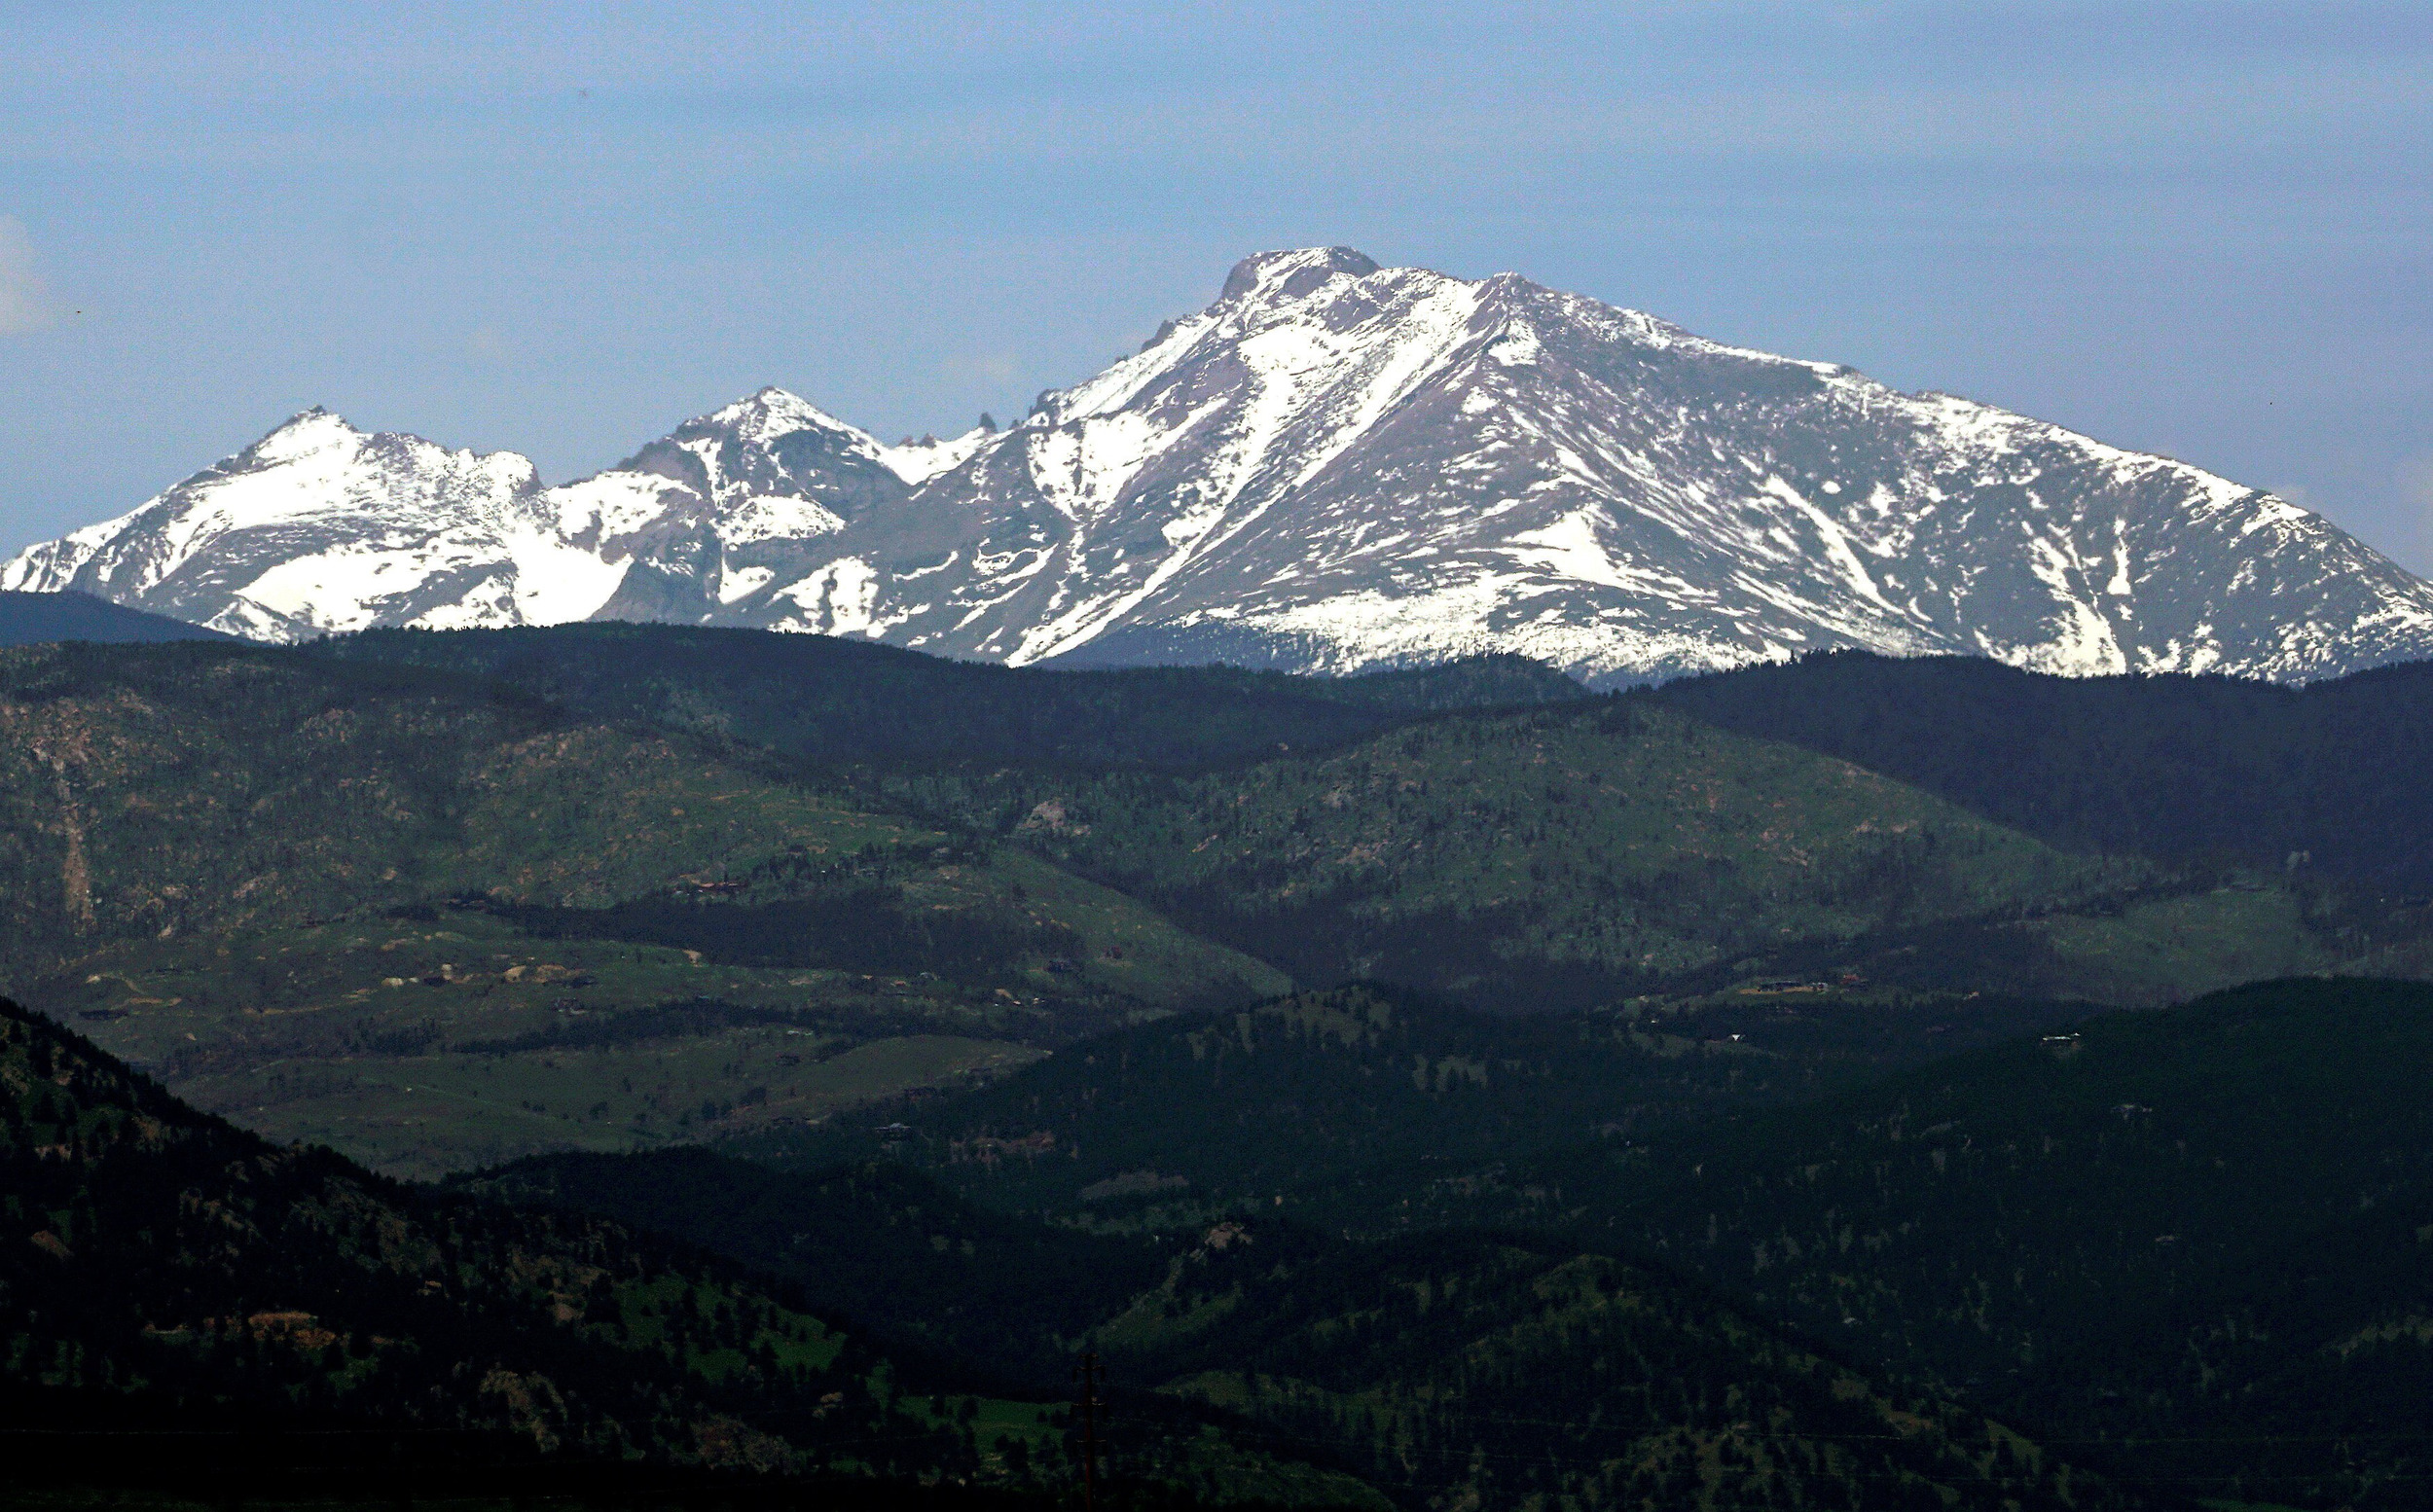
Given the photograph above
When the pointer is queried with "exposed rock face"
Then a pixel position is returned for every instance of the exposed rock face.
(1335, 466)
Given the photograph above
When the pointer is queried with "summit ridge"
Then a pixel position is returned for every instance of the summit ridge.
(1334, 466)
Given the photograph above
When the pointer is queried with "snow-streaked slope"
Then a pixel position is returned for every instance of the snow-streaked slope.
(320, 528)
(1339, 466)
(1334, 466)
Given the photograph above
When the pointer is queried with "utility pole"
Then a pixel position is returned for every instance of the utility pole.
(1090, 1373)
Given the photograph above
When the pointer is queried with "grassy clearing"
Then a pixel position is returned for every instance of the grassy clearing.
(348, 1035)
(423, 1116)
(2172, 947)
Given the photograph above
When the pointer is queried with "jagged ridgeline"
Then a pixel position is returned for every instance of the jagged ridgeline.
(1333, 467)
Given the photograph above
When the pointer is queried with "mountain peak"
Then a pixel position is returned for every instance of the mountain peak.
(1295, 271)
(317, 416)
(1334, 466)
(302, 433)
(768, 411)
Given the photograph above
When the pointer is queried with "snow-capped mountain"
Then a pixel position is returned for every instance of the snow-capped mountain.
(319, 527)
(1334, 466)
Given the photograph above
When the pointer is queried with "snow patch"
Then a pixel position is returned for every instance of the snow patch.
(769, 517)
(841, 598)
(741, 583)
(917, 462)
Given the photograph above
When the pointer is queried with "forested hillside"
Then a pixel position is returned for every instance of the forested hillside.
(1580, 855)
(2201, 1238)
(839, 701)
(160, 1268)
(875, 1241)
(442, 917)
(1494, 1370)
(1501, 1371)
(300, 887)
(1338, 1106)
(2321, 779)
(2191, 1245)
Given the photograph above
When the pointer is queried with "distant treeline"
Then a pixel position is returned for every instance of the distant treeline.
(843, 702)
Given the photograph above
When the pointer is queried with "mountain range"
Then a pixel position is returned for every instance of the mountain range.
(1334, 467)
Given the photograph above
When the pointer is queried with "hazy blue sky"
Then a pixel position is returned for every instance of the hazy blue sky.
(2200, 229)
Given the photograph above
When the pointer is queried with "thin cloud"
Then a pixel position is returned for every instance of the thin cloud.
(995, 367)
(24, 299)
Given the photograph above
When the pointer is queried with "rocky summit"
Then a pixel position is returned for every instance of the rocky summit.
(1335, 466)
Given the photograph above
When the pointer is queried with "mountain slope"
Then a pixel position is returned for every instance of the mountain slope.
(320, 528)
(1341, 1106)
(32, 619)
(2202, 1237)
(1339, 466)
(162, 1270)
(848, 702)
(1567, 855)
(1504, 1372)
(874, 1241)
(2189, 1247)
(435, 924)
(194, 1272)
(2322, 780)
(1335, 466)
(1485, 1370)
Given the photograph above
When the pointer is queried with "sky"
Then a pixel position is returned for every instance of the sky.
(2204, 230)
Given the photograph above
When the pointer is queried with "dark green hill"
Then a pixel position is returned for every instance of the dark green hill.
(1348, 1106)
(296, 886)
(1493, 1371)
(165, 1275)
(1498, 1371)
(2192, 1246)
(877, 1242)
(32, 619)
(2169, 767)
(1574, 855)
(838, 701)
(160, 1268)
(2201, 1238)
